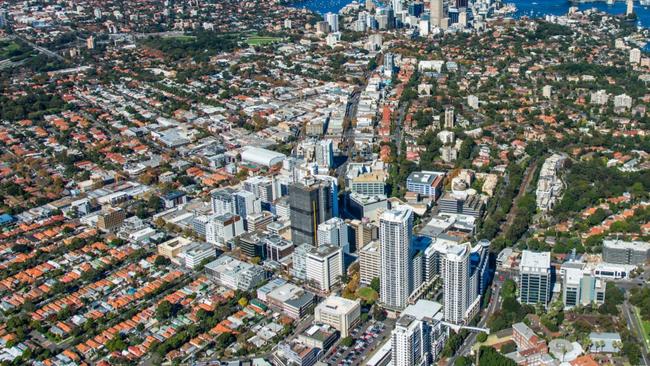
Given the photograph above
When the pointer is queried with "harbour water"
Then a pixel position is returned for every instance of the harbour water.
(531, 8)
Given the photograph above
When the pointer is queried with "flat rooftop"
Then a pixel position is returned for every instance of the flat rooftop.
(535, 259)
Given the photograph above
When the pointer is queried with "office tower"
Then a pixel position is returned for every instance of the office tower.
(535, 278)
(325, 153)
(456, 286)
(310, 204)
(395, 232)
(419, 335)
(547, 91)
(579, 286)
(262, 187)
(90, 43)
(335, 232)
(437, 13)
(333, 183)
(324, 266)
(223, 202)
(246, 204)
(221, 228)
(333, 20)
(449, 117)
(626, 252)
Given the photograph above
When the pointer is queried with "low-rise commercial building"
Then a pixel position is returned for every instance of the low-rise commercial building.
(340, 313)
(234, 274)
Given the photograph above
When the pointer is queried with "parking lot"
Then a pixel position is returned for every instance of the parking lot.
(366, 339)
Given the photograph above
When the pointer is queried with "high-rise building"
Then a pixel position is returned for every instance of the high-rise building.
(325, 153)
(246, 203)
(261, 187)
(389, 64)
(449, 116)
(221, 228)
(310, 204)
(110, 218)
(395, 234)
(335, 232)
(535, 278)
(332, 20)
(419, 335)
(456, 285)
(437, 13)
(369, 263)
(223, 202)
(324, 266)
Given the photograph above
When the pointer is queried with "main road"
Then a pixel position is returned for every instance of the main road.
(495, 303)
(633, 322)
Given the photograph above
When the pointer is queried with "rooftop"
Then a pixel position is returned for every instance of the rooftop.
(535, 260)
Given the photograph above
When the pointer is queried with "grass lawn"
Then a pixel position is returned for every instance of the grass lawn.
(645, 325)
(367, 294)
(260, 41)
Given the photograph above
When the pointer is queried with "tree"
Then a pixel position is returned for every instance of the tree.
(482, 337)
(161, 260)
(347, 341)
(379, 314)
(243, 302)
(154, 203)
(116, 343)
(374, 284)
(165, 310)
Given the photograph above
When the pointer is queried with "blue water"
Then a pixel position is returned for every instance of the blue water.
(540, 8)
(321, 6)
(531, 8)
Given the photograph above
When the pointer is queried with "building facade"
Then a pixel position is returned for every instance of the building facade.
(395, 235)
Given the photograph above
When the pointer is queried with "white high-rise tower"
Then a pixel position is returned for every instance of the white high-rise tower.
(455, 277)
(395, 232)
(333, 20)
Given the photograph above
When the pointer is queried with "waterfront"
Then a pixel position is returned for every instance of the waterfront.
(531, 8)
(541, 8)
